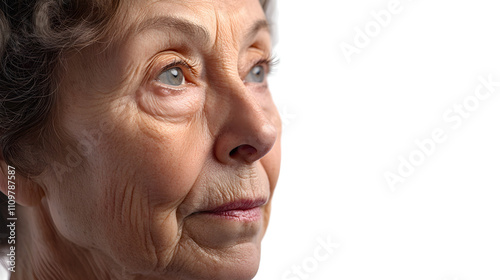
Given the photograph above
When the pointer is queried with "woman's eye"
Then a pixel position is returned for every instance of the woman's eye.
(172, 77)
(256, 75)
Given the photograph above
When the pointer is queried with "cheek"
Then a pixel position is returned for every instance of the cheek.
(271, 164)
(146, 171)
(272, 161)
(175, 106)
(167, 167)
(72, 203)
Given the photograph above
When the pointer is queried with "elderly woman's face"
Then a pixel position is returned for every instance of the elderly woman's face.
(179, 143)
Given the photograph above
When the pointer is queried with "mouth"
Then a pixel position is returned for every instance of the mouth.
(246, 210)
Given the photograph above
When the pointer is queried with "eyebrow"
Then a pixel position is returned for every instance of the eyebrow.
(256, 27)
(182, 25)
(192, 29)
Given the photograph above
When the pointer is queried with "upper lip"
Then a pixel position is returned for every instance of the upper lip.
(241, 204)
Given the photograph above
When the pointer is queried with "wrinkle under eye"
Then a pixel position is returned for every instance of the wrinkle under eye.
(172, 77)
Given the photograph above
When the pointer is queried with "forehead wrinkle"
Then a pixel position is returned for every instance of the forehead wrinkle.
(247, 35)
(256, 27)
(242, 33)
(183, 26)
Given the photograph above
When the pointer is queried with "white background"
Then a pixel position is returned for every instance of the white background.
(346, 124)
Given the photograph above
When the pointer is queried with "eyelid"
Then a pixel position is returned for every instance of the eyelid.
(269, 62)
(177, 63)
(187, 69)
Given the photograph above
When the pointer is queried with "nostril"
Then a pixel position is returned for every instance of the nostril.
(244, 151)
(233, 151)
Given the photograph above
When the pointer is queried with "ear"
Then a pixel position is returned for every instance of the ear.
(25, 190)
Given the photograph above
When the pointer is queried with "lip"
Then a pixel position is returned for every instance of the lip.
(245, 210)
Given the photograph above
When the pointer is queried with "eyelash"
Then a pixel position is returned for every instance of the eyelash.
(270, 62)
(175, 63)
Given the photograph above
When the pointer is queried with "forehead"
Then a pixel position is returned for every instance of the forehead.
(203, 19)
(143, 29)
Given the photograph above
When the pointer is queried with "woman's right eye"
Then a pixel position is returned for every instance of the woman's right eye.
(172, 77)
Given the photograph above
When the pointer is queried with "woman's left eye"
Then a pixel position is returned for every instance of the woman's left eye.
(256, 75)
(172, 77)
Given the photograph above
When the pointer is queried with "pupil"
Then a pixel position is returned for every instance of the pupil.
(174, 73)
(257, 71)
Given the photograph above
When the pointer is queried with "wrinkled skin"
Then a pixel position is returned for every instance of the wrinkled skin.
(142, 160)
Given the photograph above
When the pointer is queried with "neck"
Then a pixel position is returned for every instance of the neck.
(43, 253)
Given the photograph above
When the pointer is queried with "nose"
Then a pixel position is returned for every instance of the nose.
(246, 132)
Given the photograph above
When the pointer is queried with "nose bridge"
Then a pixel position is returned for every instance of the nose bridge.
(242, 129)
(239, 104)
(247, 112)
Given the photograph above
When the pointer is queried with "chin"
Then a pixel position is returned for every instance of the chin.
(236, 262)
(241, 262)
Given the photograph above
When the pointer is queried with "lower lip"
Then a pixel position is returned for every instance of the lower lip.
(246, 215)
